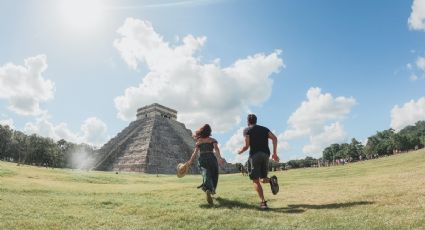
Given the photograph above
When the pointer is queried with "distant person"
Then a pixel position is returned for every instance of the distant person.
(243, 170)
(257, 140)
(209, 157)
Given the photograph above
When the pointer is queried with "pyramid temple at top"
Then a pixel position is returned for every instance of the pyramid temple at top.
(154, 143)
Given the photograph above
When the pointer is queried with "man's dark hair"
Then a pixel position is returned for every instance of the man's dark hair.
(252, 119)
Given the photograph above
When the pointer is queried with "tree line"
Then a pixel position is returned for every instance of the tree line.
(18, 147)
(383, 143)
(15, 146)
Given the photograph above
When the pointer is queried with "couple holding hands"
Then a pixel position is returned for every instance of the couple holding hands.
(256, 140)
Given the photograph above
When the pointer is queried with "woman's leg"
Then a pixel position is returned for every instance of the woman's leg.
(205, 165)
(214, 173)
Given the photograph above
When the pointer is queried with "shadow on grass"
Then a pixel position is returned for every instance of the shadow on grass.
(231, 204)
(292, 208)
(330, 206)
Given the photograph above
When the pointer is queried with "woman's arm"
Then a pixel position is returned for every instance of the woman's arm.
(194, 154)
(217, 153)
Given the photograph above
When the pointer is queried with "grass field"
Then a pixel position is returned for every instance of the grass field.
(387, 193)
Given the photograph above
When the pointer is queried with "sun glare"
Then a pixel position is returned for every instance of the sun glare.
(81, 15)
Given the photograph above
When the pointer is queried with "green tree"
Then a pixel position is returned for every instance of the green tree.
(5, 141)
(355, 149)
(331, 153)
(382, 143)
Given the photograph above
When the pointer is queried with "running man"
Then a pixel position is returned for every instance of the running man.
(257, 140)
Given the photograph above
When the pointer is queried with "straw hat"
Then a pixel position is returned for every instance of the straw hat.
(182, 169)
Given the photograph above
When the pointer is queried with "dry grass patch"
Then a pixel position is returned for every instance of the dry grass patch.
(387, 193)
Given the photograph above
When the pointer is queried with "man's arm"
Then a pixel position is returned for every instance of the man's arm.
(274, 141)
(246, 146)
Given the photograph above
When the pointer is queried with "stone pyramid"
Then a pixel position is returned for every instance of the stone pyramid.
(154, 143)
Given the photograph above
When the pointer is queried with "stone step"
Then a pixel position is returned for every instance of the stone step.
(153, 145)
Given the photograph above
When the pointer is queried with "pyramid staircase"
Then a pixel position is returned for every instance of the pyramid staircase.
(153, 144)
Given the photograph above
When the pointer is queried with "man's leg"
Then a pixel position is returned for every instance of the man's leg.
(254, 167)
(264, 168)
(258, 189)
(264, 175)
(265, 180)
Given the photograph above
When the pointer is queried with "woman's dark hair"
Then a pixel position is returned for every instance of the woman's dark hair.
(252, 119)
(203, 132)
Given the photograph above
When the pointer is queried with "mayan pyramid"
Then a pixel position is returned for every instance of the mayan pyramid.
(154, 143)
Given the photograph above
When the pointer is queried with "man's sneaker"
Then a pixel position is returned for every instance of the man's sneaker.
(263, 205)
(209, 198)
(274, 185)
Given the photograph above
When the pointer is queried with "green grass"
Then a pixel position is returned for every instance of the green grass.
(387, 193)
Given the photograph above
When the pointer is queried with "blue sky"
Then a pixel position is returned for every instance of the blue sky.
(315, 72)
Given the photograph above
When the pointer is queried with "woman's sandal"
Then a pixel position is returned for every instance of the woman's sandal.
(263, 205)
(209, 198)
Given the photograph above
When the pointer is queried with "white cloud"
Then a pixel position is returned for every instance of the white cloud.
(413, 77)
(319, 109)
(311, 120)
(9, 122)
(408, 114)
(283, 146)
(201, 93)
(93, 131)
(235, 142)
(417, 70)
(333, 133)
(24, 86)
(420, 63)
(239, 158)
(417, 16)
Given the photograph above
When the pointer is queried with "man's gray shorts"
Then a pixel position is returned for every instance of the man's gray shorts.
(258, 165)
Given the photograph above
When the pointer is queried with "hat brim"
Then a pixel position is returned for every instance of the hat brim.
(182, 169)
